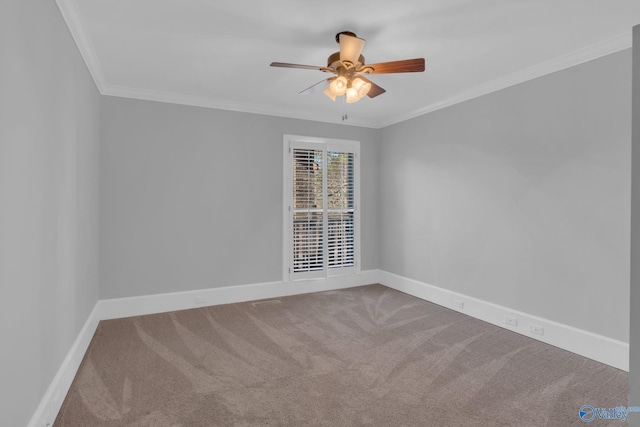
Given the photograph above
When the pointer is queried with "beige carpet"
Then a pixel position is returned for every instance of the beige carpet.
(366, 356)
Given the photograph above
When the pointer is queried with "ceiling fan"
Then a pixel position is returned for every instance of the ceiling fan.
(349, 67)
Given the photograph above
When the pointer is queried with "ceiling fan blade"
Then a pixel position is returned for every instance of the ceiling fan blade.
(375, 89)
(304, 67)
(316, 88)
(405, 66)
(350, 48)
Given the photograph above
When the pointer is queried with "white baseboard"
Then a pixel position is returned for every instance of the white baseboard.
(161, 303)
(593, 346)
(51, 402)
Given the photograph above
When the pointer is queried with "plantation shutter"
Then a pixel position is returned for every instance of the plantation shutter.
(322, 221)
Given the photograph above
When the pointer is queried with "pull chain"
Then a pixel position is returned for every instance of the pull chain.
(344, 115)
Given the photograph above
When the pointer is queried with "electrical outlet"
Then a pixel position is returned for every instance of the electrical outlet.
(458, 303)
(511, 321)
(200, 300)
(536, 329)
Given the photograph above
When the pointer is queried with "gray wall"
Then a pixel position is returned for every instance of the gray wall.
(49, 137)
(191, 198)
(520, 197)
(634, 340)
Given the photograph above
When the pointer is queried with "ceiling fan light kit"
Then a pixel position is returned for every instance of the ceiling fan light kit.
(349, 66)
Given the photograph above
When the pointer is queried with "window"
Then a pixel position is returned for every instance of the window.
(321, 217)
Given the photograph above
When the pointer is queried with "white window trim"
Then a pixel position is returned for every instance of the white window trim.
(327, 144)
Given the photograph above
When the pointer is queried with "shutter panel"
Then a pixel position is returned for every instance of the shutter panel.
(308, 210)
(341, 209)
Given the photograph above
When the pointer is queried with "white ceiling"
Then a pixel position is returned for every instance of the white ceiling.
(216, 53)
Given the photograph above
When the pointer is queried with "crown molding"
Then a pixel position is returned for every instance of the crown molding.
(571, 59)
(223, 104)
(79, 33)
